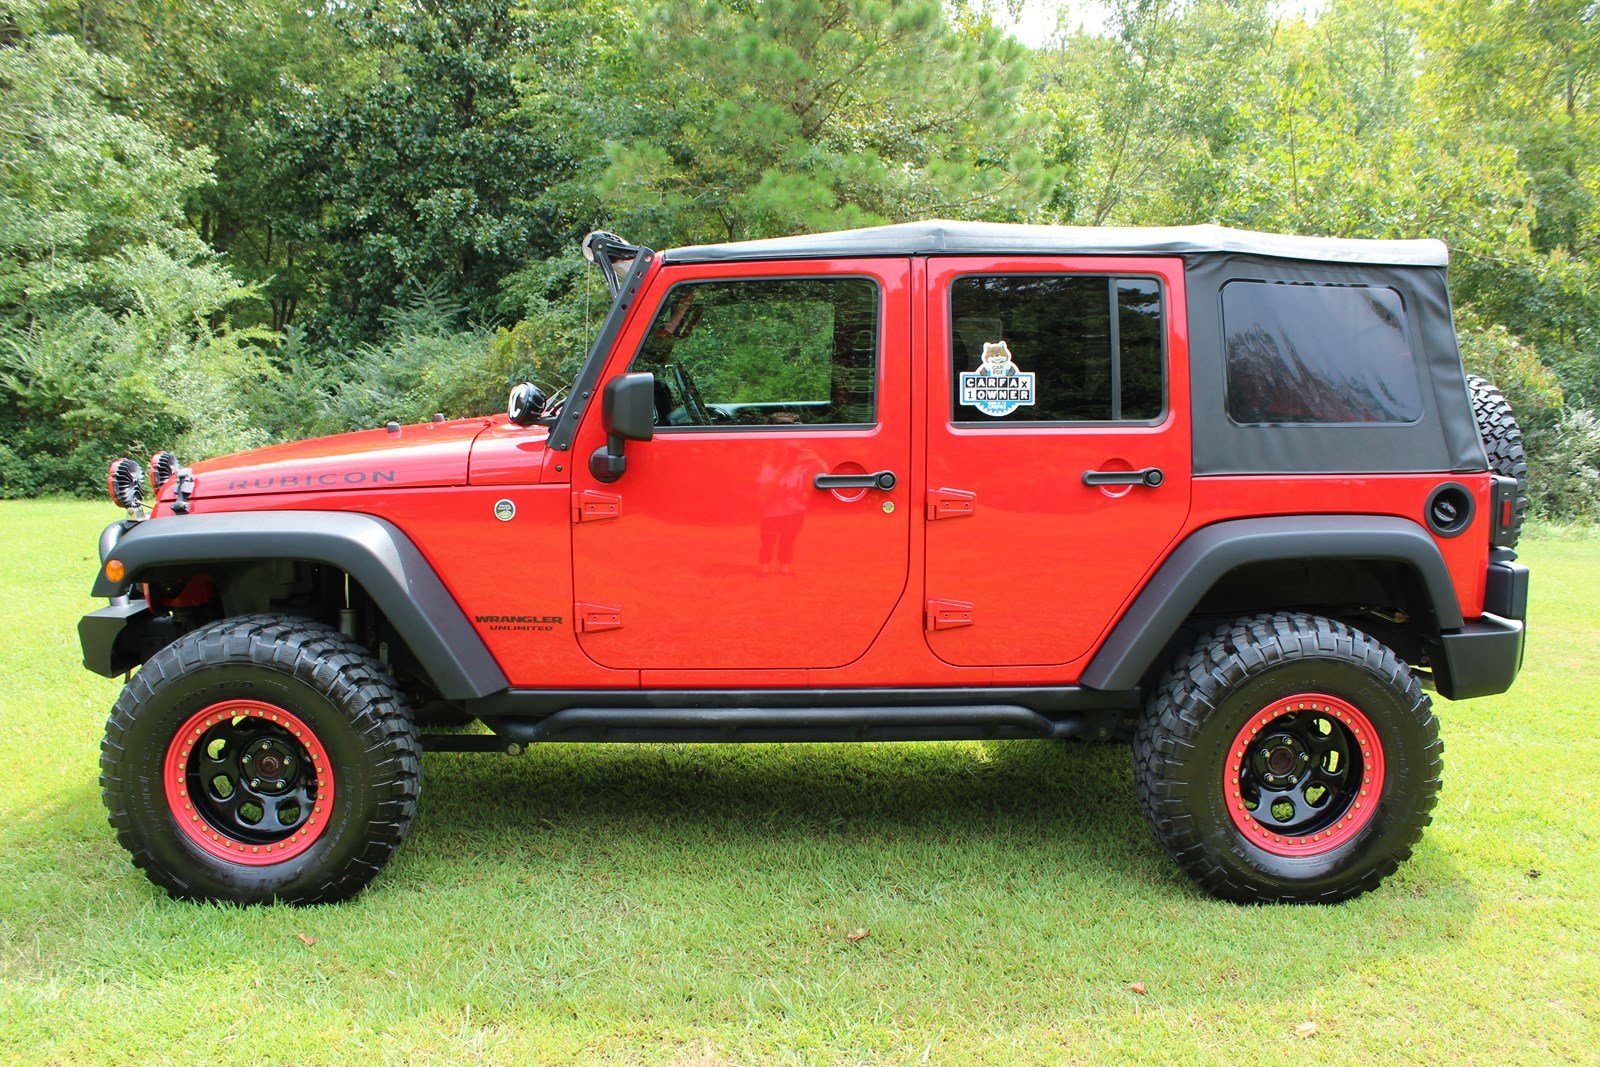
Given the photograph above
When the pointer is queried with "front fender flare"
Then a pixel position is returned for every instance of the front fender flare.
(1210, 553)
(374, 552)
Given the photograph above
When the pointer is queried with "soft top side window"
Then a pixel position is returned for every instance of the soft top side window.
(1056, 348)
(1329, 354)
(765, 352)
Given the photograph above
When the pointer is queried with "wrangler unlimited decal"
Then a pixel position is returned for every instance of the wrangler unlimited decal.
(519, 622)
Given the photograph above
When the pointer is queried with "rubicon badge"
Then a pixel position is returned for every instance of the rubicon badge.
(505, 510)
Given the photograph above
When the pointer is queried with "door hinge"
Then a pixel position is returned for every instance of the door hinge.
(592, 505)
(593, 618)
(948, 614)
(950, 503)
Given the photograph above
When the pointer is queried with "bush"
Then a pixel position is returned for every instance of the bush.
(1567, 486)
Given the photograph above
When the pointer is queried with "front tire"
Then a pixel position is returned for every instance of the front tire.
(1288, 758)
(262, 758)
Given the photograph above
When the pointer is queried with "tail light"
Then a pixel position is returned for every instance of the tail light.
(1503, 512)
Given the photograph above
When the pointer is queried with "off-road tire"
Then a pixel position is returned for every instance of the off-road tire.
(1502, 440)
(328, 684)
(1185, 743)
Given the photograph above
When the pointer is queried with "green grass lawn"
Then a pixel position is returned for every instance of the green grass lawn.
(691, 904)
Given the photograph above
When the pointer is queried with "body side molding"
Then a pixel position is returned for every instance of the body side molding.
(1209, 554)
(374, 552)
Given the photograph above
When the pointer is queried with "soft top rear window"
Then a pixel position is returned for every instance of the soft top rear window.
(1325, 354)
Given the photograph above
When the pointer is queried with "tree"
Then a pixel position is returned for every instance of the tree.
(106, 297)
(818, 114)
(424, 168)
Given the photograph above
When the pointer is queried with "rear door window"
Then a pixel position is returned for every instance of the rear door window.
(1056, 348)
(1327, 354)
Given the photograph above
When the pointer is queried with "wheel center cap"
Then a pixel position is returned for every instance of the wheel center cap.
(1279, 760)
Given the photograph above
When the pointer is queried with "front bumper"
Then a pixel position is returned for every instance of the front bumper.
(109, 637)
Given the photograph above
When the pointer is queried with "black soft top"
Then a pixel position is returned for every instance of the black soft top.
(940, 237)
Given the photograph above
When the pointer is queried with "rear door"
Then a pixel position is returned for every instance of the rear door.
(1045, 374)
(719, 549)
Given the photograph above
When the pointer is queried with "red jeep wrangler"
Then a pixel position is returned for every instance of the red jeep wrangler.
(1220, 492)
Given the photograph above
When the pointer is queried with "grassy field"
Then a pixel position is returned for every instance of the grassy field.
(687, 904)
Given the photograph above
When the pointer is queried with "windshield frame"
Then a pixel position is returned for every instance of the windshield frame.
(583, 386)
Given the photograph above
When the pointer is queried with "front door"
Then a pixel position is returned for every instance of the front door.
(737, 538)
(1058, 449)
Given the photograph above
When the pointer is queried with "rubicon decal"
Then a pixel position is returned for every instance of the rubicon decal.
(518, 622)
(319, 479)
(997, 387)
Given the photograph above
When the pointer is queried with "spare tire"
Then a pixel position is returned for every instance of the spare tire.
(1502, 440)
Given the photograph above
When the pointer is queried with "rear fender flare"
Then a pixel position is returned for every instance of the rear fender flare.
(1212, 552)
(373, 552)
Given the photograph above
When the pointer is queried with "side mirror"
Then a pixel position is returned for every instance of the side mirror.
(628, 413)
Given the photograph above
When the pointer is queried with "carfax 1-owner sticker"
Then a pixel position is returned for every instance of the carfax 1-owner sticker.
(997, 387)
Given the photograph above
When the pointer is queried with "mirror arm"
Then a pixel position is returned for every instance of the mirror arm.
(608, 463)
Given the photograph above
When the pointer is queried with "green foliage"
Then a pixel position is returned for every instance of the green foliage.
(1566, 485)
(819, 114)
(395, 190)
(423, 169)
(110, 336)
(427, 362)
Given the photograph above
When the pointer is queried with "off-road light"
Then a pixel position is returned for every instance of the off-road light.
(124, 481)
(163, 465)
(526, 404)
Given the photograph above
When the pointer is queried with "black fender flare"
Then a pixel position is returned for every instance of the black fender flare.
(1212, 552)
(372, 551)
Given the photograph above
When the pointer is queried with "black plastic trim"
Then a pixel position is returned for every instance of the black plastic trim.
(99, 633)
(1463, 517)
(805, 715)
(1506, 590)
(1209, 554)
(1050, 702)
(374, 552)
(566, 424)
(1480, 659)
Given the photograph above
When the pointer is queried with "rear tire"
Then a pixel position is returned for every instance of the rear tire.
(1239, 739)
(1502, 442)
(261, 758)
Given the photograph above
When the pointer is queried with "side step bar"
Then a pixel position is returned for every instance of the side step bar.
(520, 717)
(765, 725)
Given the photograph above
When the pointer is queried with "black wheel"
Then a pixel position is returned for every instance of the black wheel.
(1502, 441)
(1288, 758)
(261, 758)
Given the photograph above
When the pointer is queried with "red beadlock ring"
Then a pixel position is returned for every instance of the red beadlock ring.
(191, 813)
(1348, 811)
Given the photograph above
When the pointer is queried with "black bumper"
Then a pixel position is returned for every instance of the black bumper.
(1483, 657)
(1480, 659)
(109, 646)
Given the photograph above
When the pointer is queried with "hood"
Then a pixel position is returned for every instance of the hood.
(423, 454)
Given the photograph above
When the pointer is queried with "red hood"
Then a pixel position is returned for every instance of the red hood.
(424, 454)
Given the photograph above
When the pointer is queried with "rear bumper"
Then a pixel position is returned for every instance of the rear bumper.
(1480, 659)
(1483, 657)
